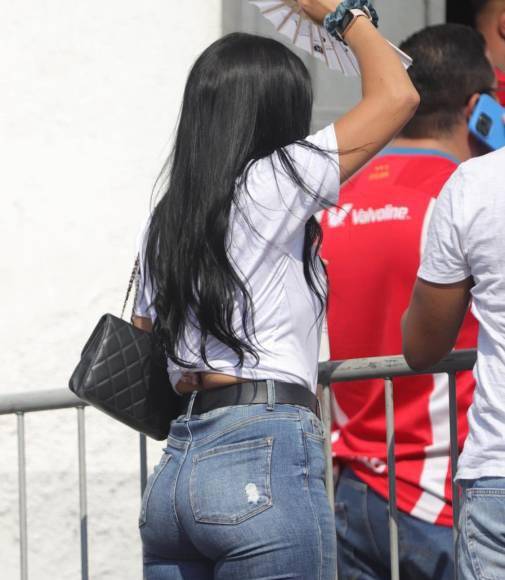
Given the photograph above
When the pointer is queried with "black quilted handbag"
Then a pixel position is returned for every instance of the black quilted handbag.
(123, 374)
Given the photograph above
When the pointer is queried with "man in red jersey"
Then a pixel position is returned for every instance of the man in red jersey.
(490, 21)
(373, 243)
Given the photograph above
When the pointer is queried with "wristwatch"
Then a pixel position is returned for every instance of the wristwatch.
(338, 27)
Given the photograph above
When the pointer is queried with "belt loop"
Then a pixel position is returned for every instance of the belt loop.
(190, 406)
(270, 394)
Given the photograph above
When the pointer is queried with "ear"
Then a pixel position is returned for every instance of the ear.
(470, 106)
(501, 24)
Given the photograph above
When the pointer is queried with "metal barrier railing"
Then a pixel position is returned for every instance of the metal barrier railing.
(389, 368)
(22, 403)
(386, 368)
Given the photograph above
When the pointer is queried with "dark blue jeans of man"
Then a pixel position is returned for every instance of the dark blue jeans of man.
(426, 550)
(239, 493)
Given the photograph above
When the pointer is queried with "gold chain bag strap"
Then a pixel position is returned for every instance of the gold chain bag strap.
(134, 279)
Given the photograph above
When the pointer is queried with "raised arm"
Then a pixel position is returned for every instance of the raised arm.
(389, 97)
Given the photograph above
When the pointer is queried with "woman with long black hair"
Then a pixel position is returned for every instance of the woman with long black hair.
(232, 285)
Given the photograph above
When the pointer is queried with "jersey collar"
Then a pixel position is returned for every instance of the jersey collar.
(419, 151)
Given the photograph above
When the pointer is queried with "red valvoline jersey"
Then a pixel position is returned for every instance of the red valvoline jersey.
(500, 75)
(373, 243)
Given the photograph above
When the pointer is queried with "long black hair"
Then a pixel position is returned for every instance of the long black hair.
(246, 98)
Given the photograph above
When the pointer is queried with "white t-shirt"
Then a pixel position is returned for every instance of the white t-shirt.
(467, 238)
(267, 234)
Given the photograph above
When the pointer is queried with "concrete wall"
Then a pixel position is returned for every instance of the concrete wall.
(89, 94)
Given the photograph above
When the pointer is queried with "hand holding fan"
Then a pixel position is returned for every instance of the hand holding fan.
(290, 20)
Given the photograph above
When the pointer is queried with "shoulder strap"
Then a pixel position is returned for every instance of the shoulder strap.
(133, 278)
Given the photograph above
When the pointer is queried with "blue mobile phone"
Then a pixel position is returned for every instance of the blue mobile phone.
(487, 124)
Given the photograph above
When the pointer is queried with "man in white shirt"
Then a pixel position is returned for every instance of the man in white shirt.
(465, 259)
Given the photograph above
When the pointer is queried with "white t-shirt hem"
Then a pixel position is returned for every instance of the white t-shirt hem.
(437, 278)
(491, 469)
(248, 373)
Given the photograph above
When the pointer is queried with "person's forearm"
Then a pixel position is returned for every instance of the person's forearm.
(383, 74)
(432, 322)
(389, 99)
(143, 323)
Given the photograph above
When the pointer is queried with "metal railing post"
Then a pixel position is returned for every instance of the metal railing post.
(393, 511)
(326, 418)
(328, 452)
(23, 525)
(143, 463)
(83, 503)
(143, 472)
(453, 417)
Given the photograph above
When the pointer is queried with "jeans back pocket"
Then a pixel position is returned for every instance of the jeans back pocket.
(231, 483)
(483, 532)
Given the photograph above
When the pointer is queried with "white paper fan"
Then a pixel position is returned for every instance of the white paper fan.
(290, 20)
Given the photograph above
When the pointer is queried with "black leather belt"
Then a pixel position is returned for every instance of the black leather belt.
(252, 393)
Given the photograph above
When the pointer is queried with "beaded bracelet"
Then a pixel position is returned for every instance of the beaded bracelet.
(333, 20)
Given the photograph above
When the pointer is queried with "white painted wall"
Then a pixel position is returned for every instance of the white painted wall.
(89, 95)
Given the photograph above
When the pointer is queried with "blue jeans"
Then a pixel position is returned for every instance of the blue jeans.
(426, 550)
(239, 493)
(481, 542)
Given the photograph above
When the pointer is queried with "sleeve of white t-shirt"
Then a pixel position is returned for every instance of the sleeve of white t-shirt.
(444, 259)
(144, 297)
(319, 171)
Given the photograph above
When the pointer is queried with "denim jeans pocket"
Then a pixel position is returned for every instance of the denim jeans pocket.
(149, 487)
(316, 464)
(231, 483)
(341, 521)
(311, 424)
(484, 531)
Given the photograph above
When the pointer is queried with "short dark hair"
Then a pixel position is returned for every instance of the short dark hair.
(480, 8)
(479, 5)
(450, 65)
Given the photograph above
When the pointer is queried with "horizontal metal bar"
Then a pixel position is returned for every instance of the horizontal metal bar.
(329, 372)
(390, 367)
(28, 402)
